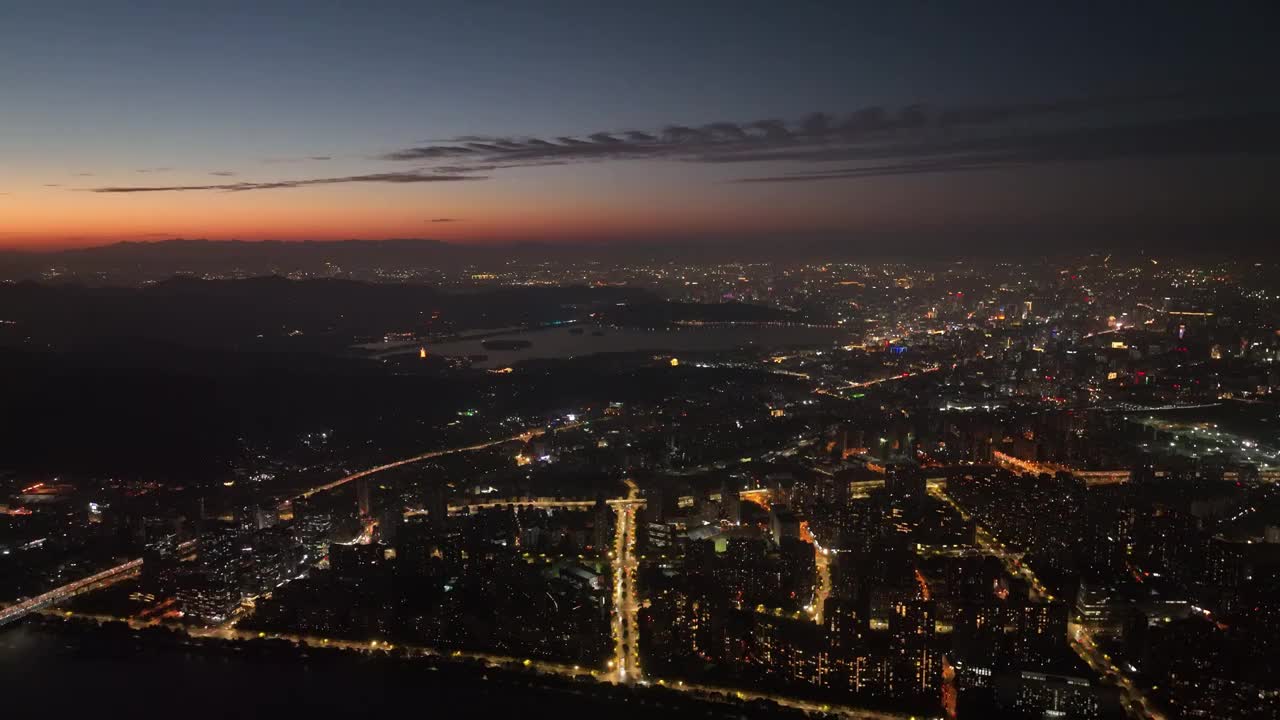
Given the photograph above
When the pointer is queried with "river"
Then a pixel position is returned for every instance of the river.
(65, 671)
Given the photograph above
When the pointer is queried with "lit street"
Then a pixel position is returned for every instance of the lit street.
(523, 437)
(626, 633)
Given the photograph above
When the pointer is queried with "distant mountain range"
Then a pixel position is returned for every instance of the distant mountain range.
(169, 257)
(131, 262)
(274, 313)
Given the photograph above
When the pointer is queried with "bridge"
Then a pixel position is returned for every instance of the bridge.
(529, 503)
(1128, 407)
(110, 576)
(525, 436)
(1091, 478)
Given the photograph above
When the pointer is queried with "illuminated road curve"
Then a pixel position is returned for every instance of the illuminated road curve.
(523, 437)
(102, 579)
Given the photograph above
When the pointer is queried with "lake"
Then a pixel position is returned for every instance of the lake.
(560, 342)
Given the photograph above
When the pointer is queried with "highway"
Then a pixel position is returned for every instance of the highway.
(106, 577)
(527, 502)
(1092, 478)
(522, 437)
(102, 579)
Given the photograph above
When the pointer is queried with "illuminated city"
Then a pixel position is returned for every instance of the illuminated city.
(472, 359)
(964, 485)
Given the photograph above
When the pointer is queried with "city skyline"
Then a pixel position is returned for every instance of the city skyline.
(735, 360)
(848, 489)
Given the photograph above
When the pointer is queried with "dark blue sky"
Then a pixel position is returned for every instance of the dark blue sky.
(191, 105)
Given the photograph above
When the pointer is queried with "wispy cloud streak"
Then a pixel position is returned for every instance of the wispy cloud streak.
(389, 177)
(871, 142)
(911, 139)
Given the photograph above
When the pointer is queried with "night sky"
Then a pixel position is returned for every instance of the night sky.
(613, 122)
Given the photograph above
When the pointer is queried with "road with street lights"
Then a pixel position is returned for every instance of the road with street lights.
(626, 606)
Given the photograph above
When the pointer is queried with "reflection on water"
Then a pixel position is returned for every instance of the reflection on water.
(563, 343)
(63, 673)
(54, 672)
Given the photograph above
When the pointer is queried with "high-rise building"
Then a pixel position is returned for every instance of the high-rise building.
(914, 659)
(601, 535)
(978, 631)
(390, 520)
(220, 555)
(1036, 694)
(845, 630)
(1041, 632)
(363, 505)
(214, 591)
(312, 527)
(730, 501)
(437, 507)
(275, 558)
(354, 562)
(1097, 606)
(913, 622)
(904, 483)
(160, 565)
(783, 523)
(418, 549)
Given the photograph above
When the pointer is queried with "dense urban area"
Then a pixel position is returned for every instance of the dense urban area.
(948, 489)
